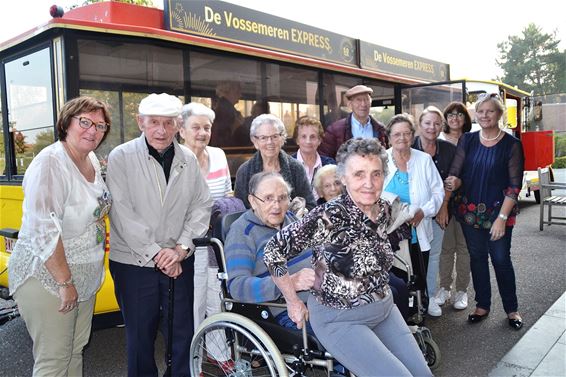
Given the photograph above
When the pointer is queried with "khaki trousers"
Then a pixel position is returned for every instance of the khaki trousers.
(58, 339)
(454, 246)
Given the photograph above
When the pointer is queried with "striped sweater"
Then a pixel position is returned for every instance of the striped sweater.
(248, 278)
(218, 178)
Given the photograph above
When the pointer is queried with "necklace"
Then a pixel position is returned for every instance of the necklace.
(490, 138)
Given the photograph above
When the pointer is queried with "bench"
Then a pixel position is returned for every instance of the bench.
(549, 200)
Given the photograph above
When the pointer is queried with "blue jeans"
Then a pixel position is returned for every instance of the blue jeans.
(480, 247)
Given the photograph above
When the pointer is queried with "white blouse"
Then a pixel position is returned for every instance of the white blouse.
(60, 203)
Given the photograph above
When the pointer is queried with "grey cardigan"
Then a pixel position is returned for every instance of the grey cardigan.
(149, 213)
(291, 170)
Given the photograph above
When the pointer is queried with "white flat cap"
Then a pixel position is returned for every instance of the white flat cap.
(161, 105)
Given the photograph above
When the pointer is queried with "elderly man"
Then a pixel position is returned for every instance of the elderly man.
(162, 203)
(358, 124)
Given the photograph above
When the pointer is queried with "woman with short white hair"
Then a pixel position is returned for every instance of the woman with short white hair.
(268, 134)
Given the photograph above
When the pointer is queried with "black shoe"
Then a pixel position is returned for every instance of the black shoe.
(475, 318)
(515, 323)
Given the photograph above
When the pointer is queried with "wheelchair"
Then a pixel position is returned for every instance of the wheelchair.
(252, 343)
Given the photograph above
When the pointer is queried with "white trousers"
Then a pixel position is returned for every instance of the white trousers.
(207, 303)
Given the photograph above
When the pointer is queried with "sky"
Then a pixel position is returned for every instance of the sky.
(462, 34)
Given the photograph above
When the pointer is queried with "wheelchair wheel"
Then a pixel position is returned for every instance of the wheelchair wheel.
(243, 348)
(431, 353)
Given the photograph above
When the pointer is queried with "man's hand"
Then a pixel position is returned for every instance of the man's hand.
(303, 279)
(166, 258)
(173, 271)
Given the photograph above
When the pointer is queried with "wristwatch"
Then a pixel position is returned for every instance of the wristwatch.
(186, 249)
(502, 216)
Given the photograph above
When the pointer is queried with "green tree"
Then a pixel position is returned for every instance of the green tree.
(43, 139)
(533, 62)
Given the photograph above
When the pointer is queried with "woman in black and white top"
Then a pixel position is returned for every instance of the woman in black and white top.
(351, 309)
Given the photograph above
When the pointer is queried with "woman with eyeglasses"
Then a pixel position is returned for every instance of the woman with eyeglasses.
(488, 169)
(458, 122)
(351, 309)
(249, 280)
(57, 266)
(454, 254)
(413, 176)
(268, 134)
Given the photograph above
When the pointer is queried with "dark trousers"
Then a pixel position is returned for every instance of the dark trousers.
(480, 248)
(143, 295)
(400, 294)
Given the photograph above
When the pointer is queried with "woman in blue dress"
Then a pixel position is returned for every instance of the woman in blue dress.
(489, 166)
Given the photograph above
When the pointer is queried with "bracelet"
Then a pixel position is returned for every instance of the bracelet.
(65, 284)
(502, 216)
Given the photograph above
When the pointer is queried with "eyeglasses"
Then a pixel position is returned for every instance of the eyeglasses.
(265, 138)
(270, 199)
(86, 124)
(399, 135)
(455, 115)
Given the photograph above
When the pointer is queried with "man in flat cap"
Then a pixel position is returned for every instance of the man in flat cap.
(162, 202)
(357, 124)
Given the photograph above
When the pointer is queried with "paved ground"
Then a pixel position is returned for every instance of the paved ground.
(467, 350)
(542, 350)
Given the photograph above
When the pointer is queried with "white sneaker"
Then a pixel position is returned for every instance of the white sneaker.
(433, 309)
(461, 300)
(441, 296)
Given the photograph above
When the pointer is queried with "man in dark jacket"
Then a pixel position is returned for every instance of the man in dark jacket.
(358, 124)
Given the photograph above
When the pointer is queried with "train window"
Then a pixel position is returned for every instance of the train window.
(292, 93)
(122, 74)
(239, 89)
(130, 65)
(335, 102)
(30, 105)
(415, 100)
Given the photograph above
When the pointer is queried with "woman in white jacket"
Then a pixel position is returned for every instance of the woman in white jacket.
(413, 176)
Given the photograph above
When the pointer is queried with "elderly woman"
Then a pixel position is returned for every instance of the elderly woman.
(57, 263)
(308, 134)
(454, 254)
(196, 127)
(489, 166)
(351, 309)
(414, 178)
(268, 135)
(327, 184)
(249, 280)
(442, 152)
